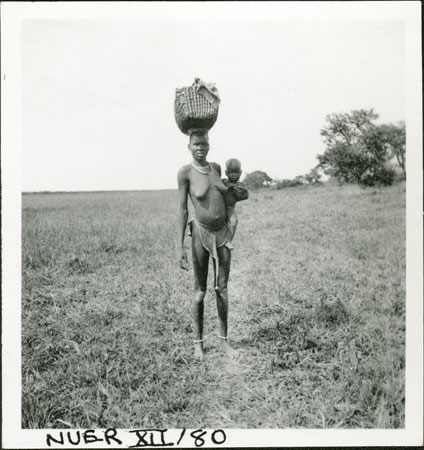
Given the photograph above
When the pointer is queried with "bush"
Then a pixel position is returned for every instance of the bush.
(289, 183)
(295, 182)
(381, 176)
(257, 179)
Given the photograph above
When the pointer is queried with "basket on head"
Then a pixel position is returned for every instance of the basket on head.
(196, 106)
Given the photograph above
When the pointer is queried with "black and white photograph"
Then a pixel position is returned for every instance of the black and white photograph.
(211, 224)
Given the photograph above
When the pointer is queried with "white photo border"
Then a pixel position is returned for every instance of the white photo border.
(14, 13)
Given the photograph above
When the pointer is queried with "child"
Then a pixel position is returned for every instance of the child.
(236, 193)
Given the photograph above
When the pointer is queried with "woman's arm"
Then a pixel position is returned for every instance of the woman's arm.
(240, 192)
(182, 216)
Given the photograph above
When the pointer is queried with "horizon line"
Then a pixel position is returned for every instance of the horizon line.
(94, 191)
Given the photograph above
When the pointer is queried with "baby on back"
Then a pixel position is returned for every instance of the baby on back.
(236, 193)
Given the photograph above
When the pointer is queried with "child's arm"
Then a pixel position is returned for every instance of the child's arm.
(240, 192)
(229, 198)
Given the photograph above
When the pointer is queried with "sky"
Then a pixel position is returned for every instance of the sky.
(98, 95)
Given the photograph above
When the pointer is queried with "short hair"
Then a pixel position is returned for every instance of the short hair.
(198, 132)
(232, 161)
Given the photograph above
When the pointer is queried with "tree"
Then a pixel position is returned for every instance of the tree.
(256, 179)
(394, 138)
(355, 149)
(313, 176)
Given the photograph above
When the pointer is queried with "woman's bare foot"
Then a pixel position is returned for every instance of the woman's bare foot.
(227, 349)
(198, 351)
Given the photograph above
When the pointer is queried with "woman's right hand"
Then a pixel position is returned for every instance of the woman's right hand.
(182, 259)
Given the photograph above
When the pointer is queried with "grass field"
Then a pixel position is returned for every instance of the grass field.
(317, 312)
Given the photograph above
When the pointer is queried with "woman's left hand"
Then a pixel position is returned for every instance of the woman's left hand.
(240, 192)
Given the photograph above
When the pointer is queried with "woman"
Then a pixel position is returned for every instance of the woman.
(201, 181)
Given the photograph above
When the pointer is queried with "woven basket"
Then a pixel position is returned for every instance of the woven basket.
(192, 110)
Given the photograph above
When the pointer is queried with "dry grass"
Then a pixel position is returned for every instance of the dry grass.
(317, 298)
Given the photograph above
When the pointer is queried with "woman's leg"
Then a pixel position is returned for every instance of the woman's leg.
(224, 255)
(232, 223)
(200, 270)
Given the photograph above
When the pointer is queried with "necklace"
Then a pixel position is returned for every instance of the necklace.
(204, 170)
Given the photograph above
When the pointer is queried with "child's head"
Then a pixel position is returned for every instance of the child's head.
(233, 169)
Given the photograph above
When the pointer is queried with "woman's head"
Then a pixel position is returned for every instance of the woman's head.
(199, 144)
